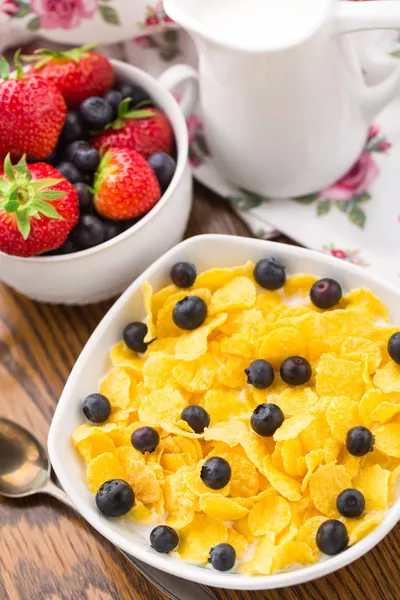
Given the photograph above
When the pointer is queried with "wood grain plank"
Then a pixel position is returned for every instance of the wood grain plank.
(49, 553)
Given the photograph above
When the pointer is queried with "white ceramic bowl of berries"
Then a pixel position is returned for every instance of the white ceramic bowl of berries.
(107, 186)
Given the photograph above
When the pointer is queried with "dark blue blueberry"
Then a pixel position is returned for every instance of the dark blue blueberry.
(266, 419)
(183, 274)
(260, 374)
(73, 128)
(164, 539)
(96, 113)
(85, 158)
(359, 441)
(350, 503)
(136, 93)
(114, 99)
(332, 537)
(89, 232)
(97, 408)
(216, 473)
(394, 347)
(69, 171)
(85, 197)
(115, 498)
(112, 229)
(164, 167)
(223, 557)
(325, 293)
(134, 334)
(68, 247)
(189, 313)
(295, 370)
(196, 417)
(145, 439)
(71, 149)
(270, 273)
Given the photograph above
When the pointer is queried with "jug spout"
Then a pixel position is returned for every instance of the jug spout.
(250, 25)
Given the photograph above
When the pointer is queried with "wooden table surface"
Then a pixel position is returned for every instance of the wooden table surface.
(46, 551)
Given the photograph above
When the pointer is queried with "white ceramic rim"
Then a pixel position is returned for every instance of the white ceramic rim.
(175, 566)
(182, 146)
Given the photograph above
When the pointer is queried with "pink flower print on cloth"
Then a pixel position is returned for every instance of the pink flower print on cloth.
(64, 14)
(9, 7)
(352, 256)
(351, 191)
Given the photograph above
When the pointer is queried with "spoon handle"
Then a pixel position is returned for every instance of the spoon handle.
(171, 586)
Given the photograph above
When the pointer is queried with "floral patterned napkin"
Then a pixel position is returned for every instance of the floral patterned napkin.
(355, 219)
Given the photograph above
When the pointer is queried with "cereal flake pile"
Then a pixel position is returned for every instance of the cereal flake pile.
(255, 427)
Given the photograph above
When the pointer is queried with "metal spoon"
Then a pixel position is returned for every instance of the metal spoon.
(25, 470)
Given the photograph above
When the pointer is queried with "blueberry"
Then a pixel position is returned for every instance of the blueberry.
(350, 503)
(71, 149)
(86, 158)
(164, 167)
(266, 419)
(97, 408)
(295, 370)
(197, 417)
(270, 273)
(112, 229)
(145, 439)
(260, 374)
(189, 313)
(88, 178)
(89, 232)
(73, 128)
(135, 92)
(216, 473)
(96, 112)
(359, 441)
(68, 247)
(69, 171)
(114, 99)
(332, 537)
(183, 274)
(85, 197)
(394, 347)
(115, 498)
(164, 539)
(52, 158)
(134, 334)
(128, 223)
(223, 557)
(325, 293)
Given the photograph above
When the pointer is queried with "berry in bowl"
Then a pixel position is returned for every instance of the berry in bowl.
(230, 430)
(118, 141)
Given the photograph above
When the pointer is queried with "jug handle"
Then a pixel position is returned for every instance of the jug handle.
(361, 16)
(179, 75)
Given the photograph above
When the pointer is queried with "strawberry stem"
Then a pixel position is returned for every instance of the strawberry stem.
(27, 199)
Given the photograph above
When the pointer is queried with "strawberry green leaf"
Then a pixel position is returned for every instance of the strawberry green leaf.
(41, 184)
(140, 114)
(47, 209)
(51, 195)
(23, 223)
(18, 66)
(8, 168)
(13, 197)
(11, 206)
(4, 68)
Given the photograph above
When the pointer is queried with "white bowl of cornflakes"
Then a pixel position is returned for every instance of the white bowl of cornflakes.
(281, 488)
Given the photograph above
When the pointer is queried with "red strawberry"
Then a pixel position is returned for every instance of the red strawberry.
(145, 130)
(38, 208)
(32, 113)
(77, 73)
(125, 185)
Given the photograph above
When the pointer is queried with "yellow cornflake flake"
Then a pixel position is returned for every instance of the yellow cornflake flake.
(342, 415)
(369, 402)
(101, 469)
(157, 372)
(364, 526)
(160, 405)
(147, 300)
(387, 439)
(294, 552)
(387, 378)
(144, 482)
(296, 400)
(281, 343)
(262, 561)
(197, 375)
(299, 284)
(220, 507)
(213, 279)
(119, 388)
(192, 345)
(287, 487)
(292, 451)
(224, 404)
(236, 294)
(335, 374)
(373, 483)
(325, 485)
(270, 514)
(197, 539)
(353, 347)
(308, 532)
(231, 372)
(239, 542)
(229, 432)
(366, 303)
(293, 426)
(91, 442)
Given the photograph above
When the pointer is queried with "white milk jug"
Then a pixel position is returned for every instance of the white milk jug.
(285, 104)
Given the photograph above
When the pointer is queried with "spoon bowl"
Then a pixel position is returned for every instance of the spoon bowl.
(24, 464)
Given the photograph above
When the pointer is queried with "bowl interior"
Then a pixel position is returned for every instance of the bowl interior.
(206, 252)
